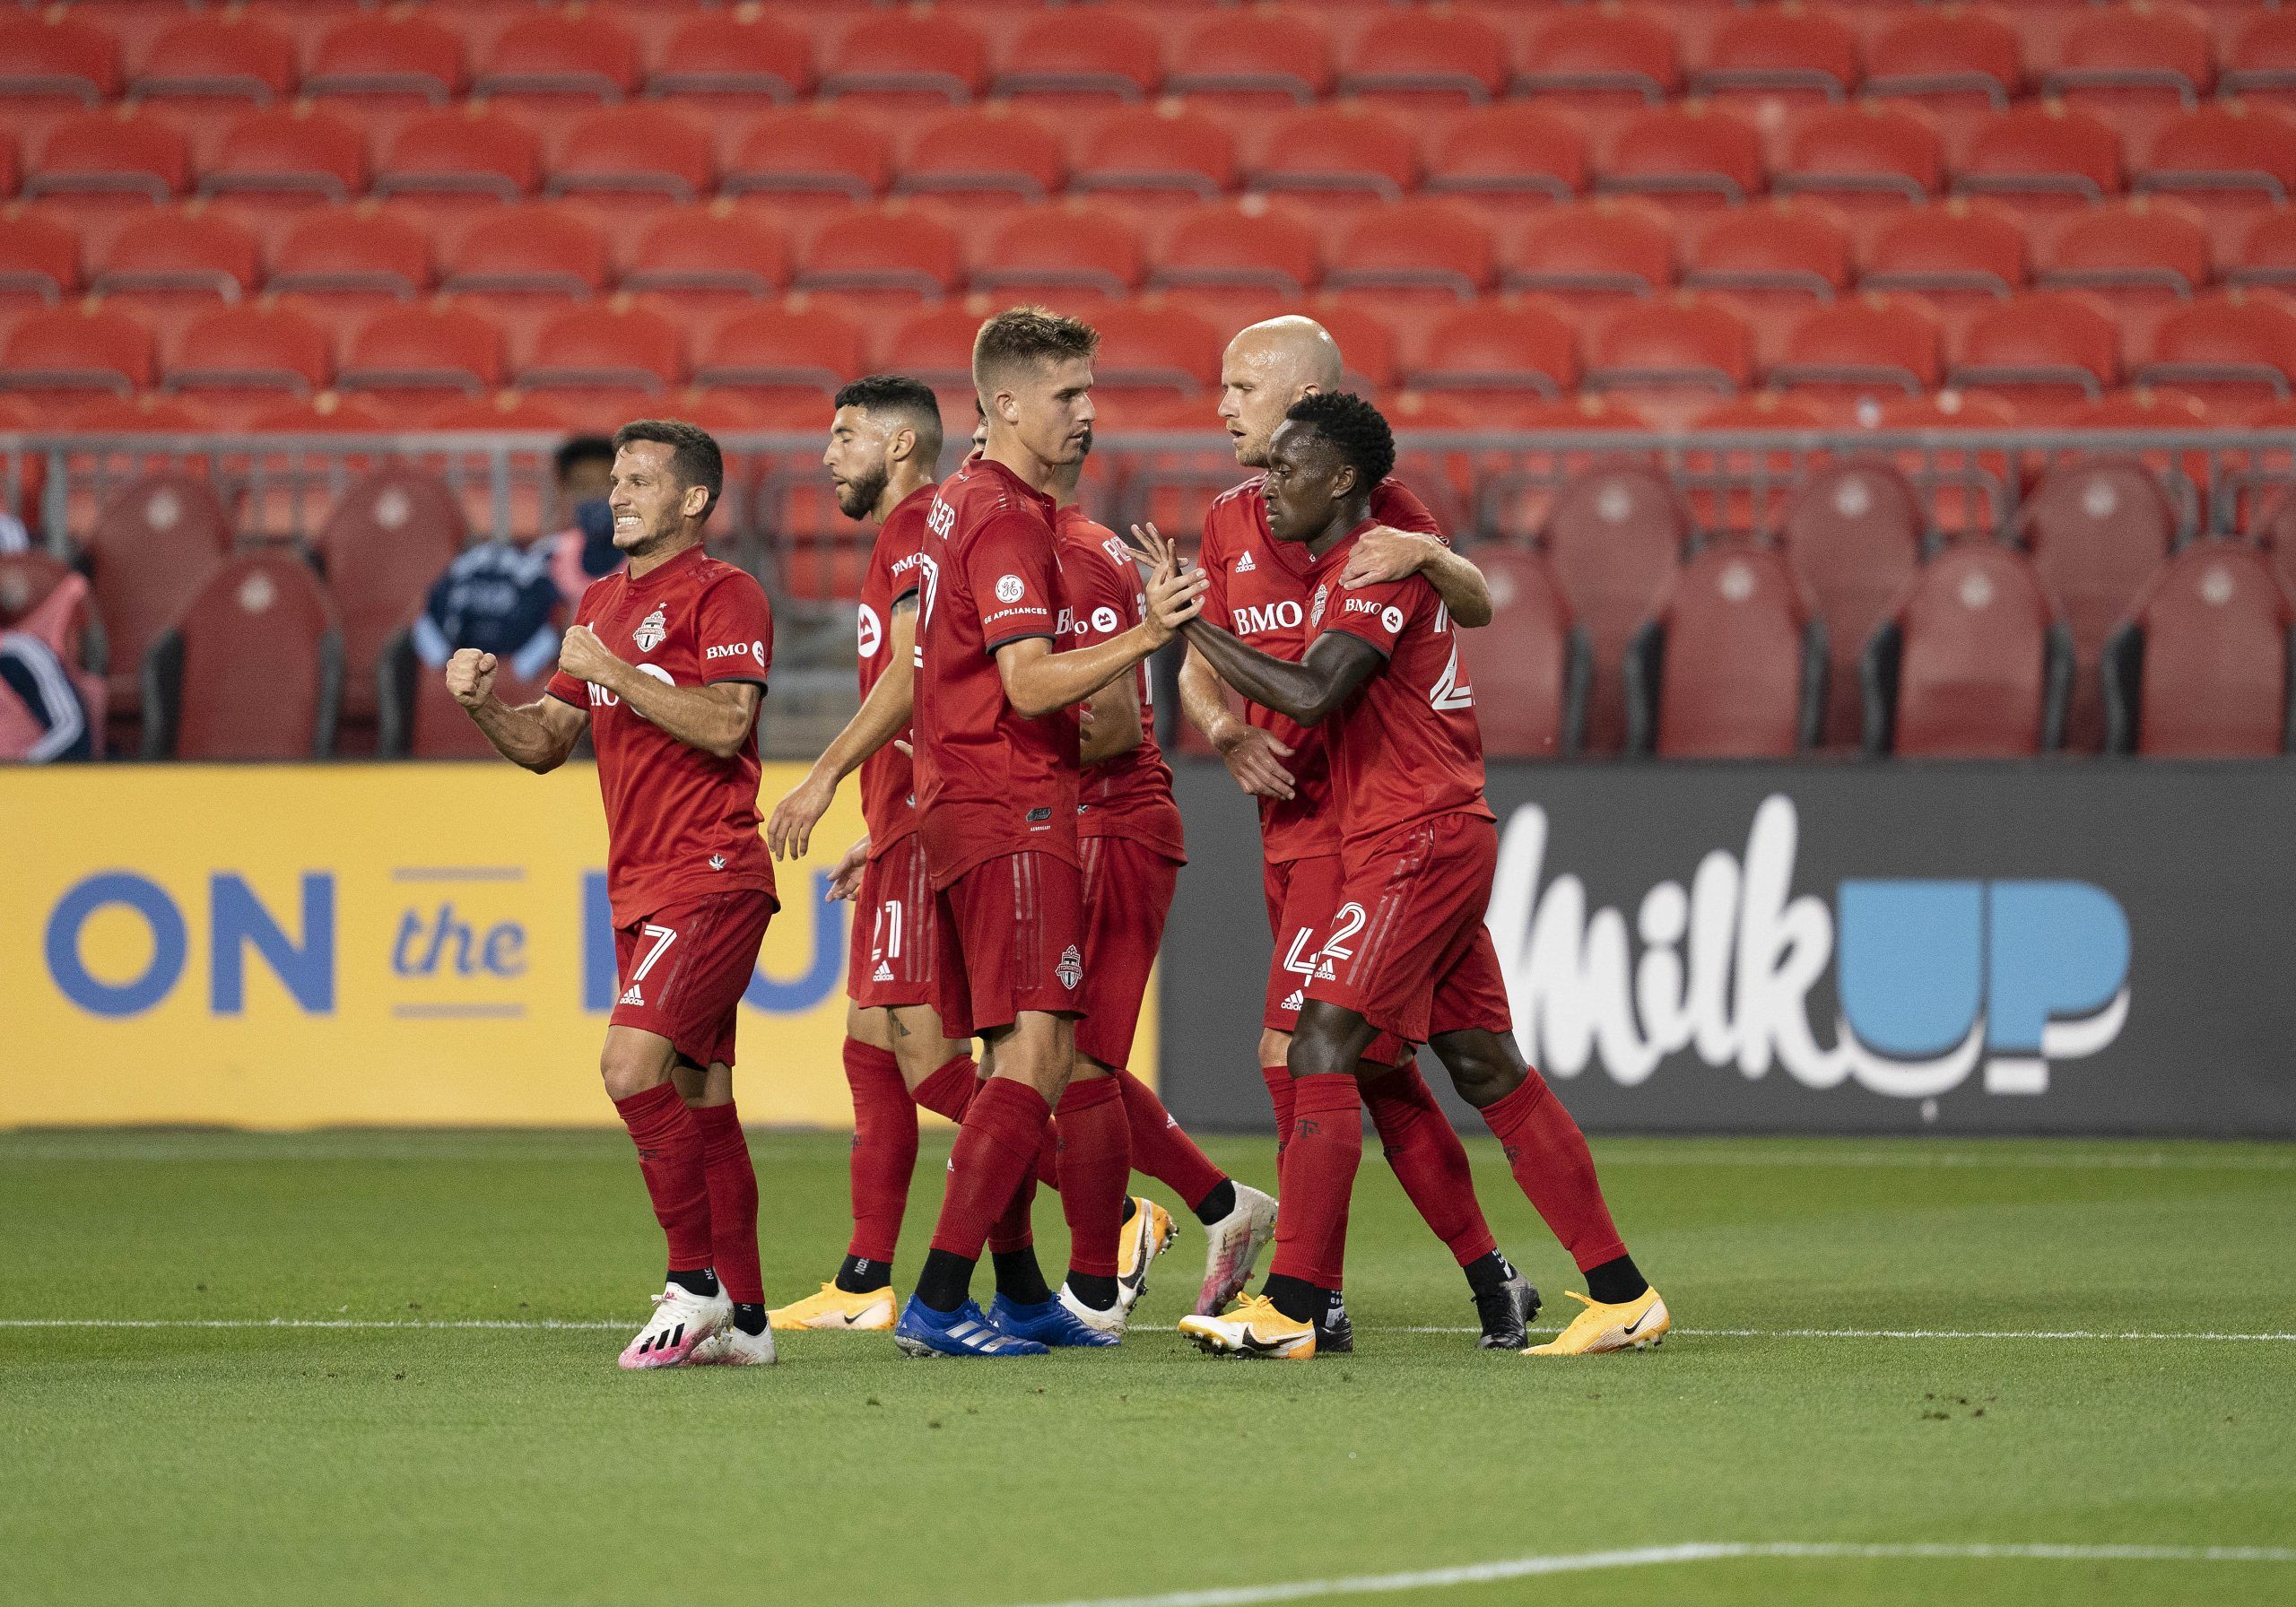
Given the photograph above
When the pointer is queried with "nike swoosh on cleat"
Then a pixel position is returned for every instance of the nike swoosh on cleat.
(1631, 1329)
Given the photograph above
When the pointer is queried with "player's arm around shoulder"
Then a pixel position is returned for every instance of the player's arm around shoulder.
(538, 737)
(1386, 555)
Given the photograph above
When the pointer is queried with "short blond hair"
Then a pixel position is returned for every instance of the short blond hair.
(1023, 335)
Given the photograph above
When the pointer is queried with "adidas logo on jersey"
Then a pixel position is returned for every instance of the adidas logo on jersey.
(1324, 972)
(884, 972)
(1244, 565)
(1294, 999)
(633, 996)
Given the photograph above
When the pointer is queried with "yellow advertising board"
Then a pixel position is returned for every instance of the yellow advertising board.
(418, 944)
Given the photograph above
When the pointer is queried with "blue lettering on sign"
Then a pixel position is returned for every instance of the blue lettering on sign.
(501, 951)
(306, 970)
(170, 943)
(821, 978)
(1912, 964)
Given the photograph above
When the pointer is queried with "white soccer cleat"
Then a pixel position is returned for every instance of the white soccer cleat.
(1111, 1321)
(730, 1347)
(1237, 1240)
(682, 1320)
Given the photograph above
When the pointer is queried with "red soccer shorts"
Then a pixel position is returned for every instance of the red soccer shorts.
(1128, 893)
(1010, 935)
(1302, 896)
(1406, 949)
(682, 970)
(894, 931)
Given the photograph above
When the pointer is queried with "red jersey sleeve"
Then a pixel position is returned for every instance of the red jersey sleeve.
(1015, 580)
(734, 628)
(1377, 613)
(1394, 503)
(1099, 595)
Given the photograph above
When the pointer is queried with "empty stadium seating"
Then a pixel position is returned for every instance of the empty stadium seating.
(2200, 669)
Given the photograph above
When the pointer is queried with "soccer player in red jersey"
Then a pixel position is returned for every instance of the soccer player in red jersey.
(1258, 591)
(884, 441)
(997, 791)
(665, 667)
(1407, 953)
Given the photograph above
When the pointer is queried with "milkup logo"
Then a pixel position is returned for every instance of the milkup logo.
(1933, 979)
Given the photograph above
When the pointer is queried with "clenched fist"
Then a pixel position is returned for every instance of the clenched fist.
(470, 677)
(584, 656)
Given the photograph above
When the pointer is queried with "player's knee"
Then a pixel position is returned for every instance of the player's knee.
(1274, 1047)
(1319, 1045)
(627, 1069)
(1484, 1066)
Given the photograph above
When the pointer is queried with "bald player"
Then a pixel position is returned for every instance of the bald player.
(1259, 590)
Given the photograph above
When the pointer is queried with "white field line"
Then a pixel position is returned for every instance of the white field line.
(542, 1325)
(1525, 1567)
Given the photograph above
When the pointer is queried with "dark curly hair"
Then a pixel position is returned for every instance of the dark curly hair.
(899, 396)
(1355, 430)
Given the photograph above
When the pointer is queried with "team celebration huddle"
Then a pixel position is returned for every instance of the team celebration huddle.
(1021, 851)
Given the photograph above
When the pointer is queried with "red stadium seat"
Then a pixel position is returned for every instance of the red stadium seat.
(613, 345)
(935, 346)
(889, 256)
(353, 261)
(96, 162)
(1367, 343)
(39, 264)
(1339, 151)
(780, 350)
(1732, 665)
(521, 265)
(497, 411)
(1508, 153)
(2097, 528)
(1598, 252)
(287, 157)
(988, 154)
(725, 58)
(2134, 64)
(1148, 350)
(1797, 252)
(417, 358)
(2267, 254)
(149, 548)
(1968, 491)
(1972, 664)
(2141, 257)
(1052, 59)
(1065, 251)
(713, 259)
(1426, 247)
(51, 55)
(2230, 160)
(453, 159)
(1738, 490)
(2260, 62)
(1690, 153)
(83, 348)
(1164, 153)
(1779, 50)
(633, 157)
(1529, 667)
(326, 411)
(168, 266)
(402, 57)
(1615, 539)
(2200, 669)
(1595, 57)
(2040, 346)
(1961, 257)
(815, 153)
(251, 669)
(232, 357)
(2042, 154)
(226, 55)
(1684, 345)
(1865, 153)
(390, 537)
(1854, 350)
(1853, 531)
(906, 56)
(1954, 62)
(2232, 346)
(1497, 349)
(1252, 58)
(1252, 249)
(1426, 58)
(556, 56)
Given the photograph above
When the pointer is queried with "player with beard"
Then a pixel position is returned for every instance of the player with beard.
(1408, 953)
(1258, 589)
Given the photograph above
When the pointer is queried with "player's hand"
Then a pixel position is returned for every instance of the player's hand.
(1174, 598)
(1255, 759)
(470, 677)
(1384, 554)
(845, 881)
(584, 656)
(789, 832)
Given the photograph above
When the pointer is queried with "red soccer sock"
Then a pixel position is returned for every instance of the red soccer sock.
(1281, 1095)
(1015, 1228)
(1162, 1148)
(949, 1090)
(669, 1153)
(732, 1183)
(1549, 1159)
(1429, 1161)
(885, 1150)
(1319, 1168)
(995, 1147)
(1096, 1159)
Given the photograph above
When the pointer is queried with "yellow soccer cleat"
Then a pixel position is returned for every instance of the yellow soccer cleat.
(1255, 1327)
(1148, 1235)
(834, 1307)
(1637, 1324)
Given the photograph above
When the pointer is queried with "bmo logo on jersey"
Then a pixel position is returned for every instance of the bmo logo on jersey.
(873, 631)
(1258, 619)
(751, 650)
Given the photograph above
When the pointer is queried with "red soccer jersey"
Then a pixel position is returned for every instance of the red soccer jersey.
(1259, 590)
(888, 798)
(1130, 795)
(1406, 747)
(679, 821)
(989, 781)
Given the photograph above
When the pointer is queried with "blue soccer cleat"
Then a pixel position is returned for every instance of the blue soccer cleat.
(1047, 1323)
(964, 1331)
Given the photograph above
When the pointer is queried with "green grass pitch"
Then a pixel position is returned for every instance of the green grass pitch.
(395, 1458)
